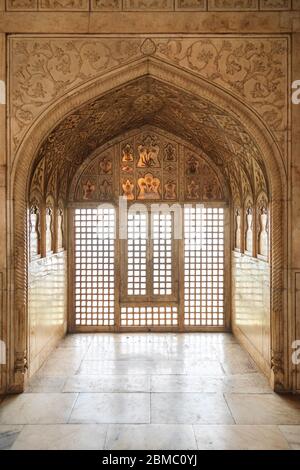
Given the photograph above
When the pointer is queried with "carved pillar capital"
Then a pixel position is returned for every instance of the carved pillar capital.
(277, 371)
(21, 362)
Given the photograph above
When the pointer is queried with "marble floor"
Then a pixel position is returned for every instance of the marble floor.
(149, 391)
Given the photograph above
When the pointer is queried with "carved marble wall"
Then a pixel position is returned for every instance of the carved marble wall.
(47, 304)
(148, 101)
(148, 5)
(253, 68)
(251, 306)
(43, 69)
(296, 311)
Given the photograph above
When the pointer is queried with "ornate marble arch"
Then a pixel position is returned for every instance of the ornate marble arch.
(232, 136)
(147, 100)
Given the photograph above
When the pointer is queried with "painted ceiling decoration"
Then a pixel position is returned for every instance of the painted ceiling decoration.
(148, 101)
(147, 165)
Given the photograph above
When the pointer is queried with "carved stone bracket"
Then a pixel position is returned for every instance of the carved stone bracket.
(277, 370)
(21, 364)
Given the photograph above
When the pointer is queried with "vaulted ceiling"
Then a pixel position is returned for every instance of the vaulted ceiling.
(149, 101)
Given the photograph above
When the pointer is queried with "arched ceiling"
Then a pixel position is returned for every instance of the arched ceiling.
(149, 101)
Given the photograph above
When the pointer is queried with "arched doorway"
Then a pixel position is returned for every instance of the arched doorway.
(204, 116)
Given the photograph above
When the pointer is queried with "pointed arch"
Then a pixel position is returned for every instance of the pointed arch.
(184, 82)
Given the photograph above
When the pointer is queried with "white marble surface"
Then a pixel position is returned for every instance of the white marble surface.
(39, 384)
(132, 367)
(111, 408)
(189, 408)
(37, 408)
(150, 437)
(264, 408)
(61, 437)
(292, 435)
(149, 391)
(107, 383)
(8, 435)
(238, 437)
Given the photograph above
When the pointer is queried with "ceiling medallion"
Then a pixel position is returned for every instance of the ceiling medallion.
(148, 47)
(148, 103)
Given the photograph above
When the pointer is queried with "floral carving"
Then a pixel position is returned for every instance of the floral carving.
(191, 4)
(192, 190)
(217, 133)
(128, 187)
(148, 5)
(105, 165)
(170, 190)
(22, 5)
(202, 182)
(254, 68)
(105, 190)
(43, 69)
(148, 187)
(148, 104)
(148, 153)
(227, 5)
(89, 189)
(127, 152)
(170, 153)
(148, 47)
(199, 181)
(64, 4)
(107, 5)
(275, 4)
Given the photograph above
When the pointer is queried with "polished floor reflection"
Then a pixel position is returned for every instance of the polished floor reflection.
(149, 391)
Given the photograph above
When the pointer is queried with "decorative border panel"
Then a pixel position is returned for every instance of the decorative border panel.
(150, 5)
(44, 69)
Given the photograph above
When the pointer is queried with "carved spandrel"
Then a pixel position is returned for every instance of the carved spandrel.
(39, 75)
(232, 63)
